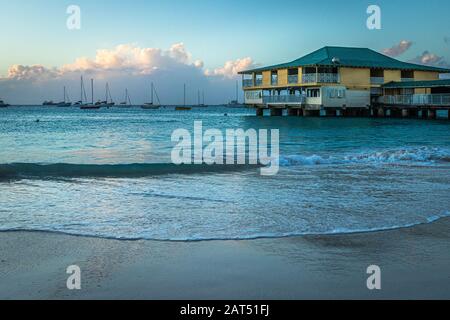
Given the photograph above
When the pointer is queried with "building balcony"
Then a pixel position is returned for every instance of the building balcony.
(258, 82)
(284, 99)
(377, 80)
(247, 83)
(417, 100)
(406, 79)
(293, 79)
(274, 81)
(320, 78)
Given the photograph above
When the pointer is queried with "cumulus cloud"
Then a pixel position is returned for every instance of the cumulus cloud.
(431, 59)
(398, 49)
(126, 66)
(231, 68)
(20, 72)
(132, 59)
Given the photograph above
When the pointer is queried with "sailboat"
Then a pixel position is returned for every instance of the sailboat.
(202, 104)
(3, 104)
(88, 106)
(184, 107)
(127, 102)
(108, 102)
(66, 102)
(151, 105)
(235, 103)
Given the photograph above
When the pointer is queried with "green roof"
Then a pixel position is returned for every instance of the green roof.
(349, 57)
(418, 84)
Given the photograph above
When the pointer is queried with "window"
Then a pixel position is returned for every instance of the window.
(406, 74)
(376, 73)
(293, 72)
(313, 93)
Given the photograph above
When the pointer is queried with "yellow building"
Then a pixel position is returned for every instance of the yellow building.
(333, 78)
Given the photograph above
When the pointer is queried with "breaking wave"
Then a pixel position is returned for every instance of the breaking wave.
(412, 155)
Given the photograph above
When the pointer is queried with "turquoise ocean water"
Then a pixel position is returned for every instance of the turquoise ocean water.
(108, 173)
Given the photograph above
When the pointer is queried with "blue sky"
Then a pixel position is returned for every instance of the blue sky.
(216, 31)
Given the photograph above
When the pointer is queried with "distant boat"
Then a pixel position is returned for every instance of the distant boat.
(184, 107)
(88, 106)
(65, 103)
(151, 105)
(108, 102)
(3, 104)
(201, 104)
(49, 103)
(235, 103)
(127, 102)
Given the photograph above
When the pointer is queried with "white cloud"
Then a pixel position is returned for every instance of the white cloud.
(132, 59)
(231, 68)
(431, 59)
(126, 66)
(398, 49)
(20, 72)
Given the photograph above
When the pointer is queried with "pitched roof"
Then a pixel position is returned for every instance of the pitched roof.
(418, 84)
(349, 57)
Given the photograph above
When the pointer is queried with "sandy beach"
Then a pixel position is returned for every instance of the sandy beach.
(414, 262)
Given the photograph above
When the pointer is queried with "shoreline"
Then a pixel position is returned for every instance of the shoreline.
(430, 220)
(414, 263)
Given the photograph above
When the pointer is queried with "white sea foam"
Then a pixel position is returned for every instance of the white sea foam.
(424, 155)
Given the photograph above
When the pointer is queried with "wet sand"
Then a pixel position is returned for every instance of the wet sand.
(415, 263)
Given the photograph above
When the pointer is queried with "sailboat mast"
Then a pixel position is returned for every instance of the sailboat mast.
(203, 94)
(81, 90)
(64, 94)
(237, 91)
(92, 90)
(184, 95)
(198, 97)
(152, 92)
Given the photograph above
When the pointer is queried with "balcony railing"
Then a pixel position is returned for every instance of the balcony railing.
(320, 78)
(258, 82)
(247, 83)
(417, 99)
(284, 99)
(376, 80)
(293, 79)
(406, 79)
(274, 81)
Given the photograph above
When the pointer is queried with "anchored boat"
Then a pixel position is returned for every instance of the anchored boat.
(184, 107)
(151, 105)
(3, 104)
(88, 106)
(127, 102)
(66, 102)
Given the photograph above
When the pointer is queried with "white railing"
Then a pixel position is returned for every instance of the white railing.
(417, 99)
(284, 99)
(376, 80)
(320, 78)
